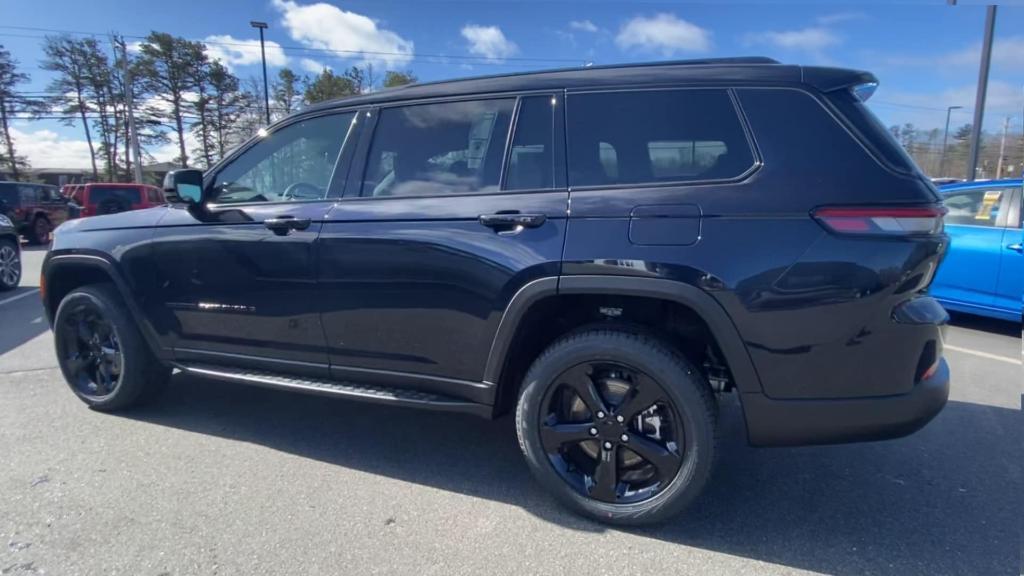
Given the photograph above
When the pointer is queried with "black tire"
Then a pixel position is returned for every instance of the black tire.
(141, 376)
(10, 264)
(692, 404)
(40, 231)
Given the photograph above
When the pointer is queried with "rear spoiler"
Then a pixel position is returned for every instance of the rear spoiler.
(832, 79)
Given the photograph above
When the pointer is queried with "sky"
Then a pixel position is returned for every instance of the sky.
(925, 53)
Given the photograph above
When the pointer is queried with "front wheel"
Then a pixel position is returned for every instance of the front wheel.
(101, 352)
(10, 264)
(618, 426)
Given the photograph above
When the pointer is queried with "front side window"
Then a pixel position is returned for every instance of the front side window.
(655, 136)
(437, 149)
(974, 207)
(292, 163)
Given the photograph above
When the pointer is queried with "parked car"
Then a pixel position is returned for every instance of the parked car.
(736, 226)
(10, 255)
(110, 198)
(35, 209)
(983, 272)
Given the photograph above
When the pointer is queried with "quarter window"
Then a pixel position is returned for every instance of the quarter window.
(655, 136)
(436, 149)
(292, 163)
(530, 163)
(974, 207)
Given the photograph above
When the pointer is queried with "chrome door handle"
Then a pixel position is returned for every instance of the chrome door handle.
(1015, 247)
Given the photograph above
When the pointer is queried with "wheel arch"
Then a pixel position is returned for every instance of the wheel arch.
(63, 273)
(546, 291)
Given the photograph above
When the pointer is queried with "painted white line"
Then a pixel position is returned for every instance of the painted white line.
(22, 295)
(997, 357)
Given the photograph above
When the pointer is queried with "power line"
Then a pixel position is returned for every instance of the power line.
(440, 57)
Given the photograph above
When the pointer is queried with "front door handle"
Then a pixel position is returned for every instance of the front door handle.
(512, 222)
(1015, 247)
(282, 225)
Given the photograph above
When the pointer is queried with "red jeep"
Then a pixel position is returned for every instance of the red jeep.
(110, 198)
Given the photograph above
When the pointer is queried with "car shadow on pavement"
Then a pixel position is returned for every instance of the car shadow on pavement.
(984, 324)
(944, 500)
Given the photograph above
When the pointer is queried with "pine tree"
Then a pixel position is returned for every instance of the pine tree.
(68, 58)
(165, 69)
(11, 103)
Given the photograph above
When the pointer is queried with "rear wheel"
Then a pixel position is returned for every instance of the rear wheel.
(10, 264)
(101, 352)
(40, 231)
(618, 426)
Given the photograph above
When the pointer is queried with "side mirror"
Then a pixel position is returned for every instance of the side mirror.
(184, 186)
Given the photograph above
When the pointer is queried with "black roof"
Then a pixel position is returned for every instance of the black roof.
(712, 70)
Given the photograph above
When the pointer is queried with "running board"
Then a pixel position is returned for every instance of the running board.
(324, 387)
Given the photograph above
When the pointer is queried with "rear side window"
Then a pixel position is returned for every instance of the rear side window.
(974, 207)
(872, 132)
(655, 136)
(437, 149)
(123, 196)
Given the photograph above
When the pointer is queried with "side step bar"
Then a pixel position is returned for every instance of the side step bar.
(324, 387)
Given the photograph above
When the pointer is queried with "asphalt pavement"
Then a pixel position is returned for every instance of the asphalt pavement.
(225, 479)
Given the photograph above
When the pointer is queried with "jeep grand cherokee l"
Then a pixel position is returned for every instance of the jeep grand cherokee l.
(602, 251)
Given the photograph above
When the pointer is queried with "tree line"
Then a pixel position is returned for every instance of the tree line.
(175, 90)
(926, 148)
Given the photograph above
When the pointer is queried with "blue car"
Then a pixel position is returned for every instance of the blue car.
(983, 272)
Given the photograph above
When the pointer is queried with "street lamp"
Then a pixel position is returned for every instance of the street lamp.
(263, 56)
(945, 137)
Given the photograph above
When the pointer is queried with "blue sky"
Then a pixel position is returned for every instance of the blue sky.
(925, 53)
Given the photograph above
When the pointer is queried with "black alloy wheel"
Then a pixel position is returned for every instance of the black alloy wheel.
(92, 352)
(618, 425)
(611, 433)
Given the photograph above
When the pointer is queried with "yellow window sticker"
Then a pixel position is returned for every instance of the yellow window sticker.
(988, 203)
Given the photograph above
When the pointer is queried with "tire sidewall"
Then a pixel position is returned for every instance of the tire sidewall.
(45, 238)
(680, 382)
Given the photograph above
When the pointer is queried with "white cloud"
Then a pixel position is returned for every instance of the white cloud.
(324, 26)
(47, 149)
(838, 17)
(664, 33)
(310, 65)
(1006, 54)
(583, 26)
(812, 39)
(488, 41)
(233, 52)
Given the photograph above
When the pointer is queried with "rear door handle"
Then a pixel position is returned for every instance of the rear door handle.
(512, 222)
(1015, 247)
(282, 225)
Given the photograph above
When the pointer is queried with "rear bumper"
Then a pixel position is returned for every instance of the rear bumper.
(773, 422)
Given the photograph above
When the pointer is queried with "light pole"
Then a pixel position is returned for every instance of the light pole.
(263, 56)
(979, 101)
(945, 137)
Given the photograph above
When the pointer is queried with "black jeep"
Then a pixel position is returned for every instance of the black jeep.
(603, 251)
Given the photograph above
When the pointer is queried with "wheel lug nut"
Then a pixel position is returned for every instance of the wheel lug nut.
(593, 431)
(607, 445)
(624, 438)
(620, 419)
(600, 414)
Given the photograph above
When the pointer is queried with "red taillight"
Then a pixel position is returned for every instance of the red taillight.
(884, 221)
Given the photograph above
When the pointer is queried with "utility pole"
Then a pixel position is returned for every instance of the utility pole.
(263, 56)
(1002, 148)
(979, 101)
(945, 138)
(133, 134)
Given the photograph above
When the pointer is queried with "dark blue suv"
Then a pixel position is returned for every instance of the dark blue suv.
(603, 251)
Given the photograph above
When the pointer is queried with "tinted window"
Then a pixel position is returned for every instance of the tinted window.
(432, 149)
(974, 207)
(530, 162)
(291, 163)
(655, 136)
(9, 194)
(30, 194)
(121, 196)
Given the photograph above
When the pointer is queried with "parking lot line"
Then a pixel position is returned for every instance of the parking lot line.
(1006, 359)
(22, 295)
